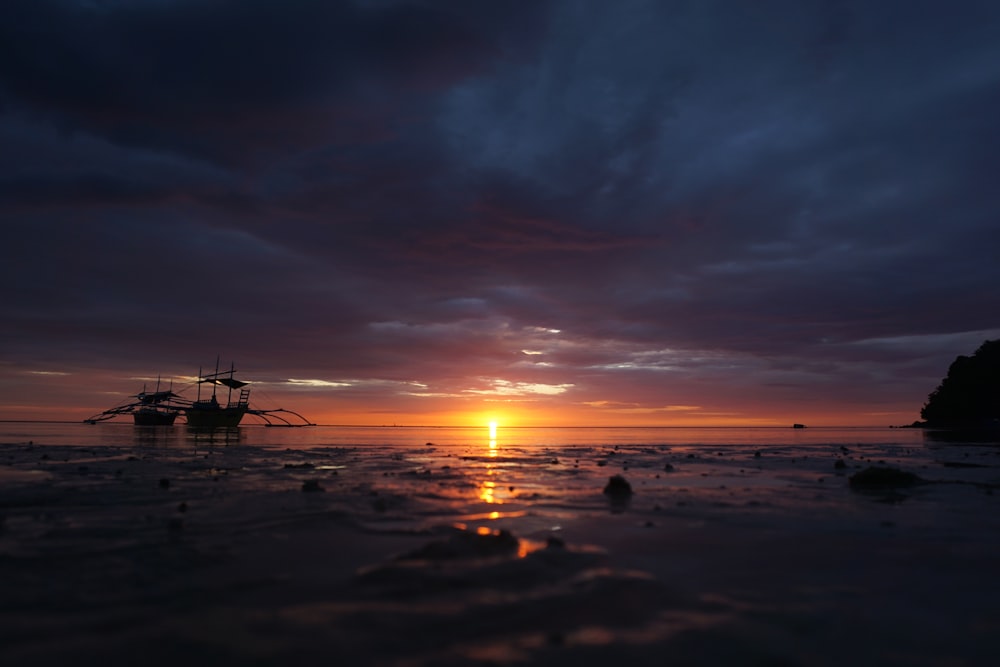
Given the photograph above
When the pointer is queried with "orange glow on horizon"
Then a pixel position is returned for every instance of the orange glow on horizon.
(595, 417)
(74, 398)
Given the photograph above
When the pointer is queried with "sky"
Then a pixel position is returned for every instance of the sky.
(576, 212)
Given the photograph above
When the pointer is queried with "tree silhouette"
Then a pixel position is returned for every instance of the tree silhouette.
(970, 394)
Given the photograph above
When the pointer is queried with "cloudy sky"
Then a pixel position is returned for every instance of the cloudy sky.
(566, 212)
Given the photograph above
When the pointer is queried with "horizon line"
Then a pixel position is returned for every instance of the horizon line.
(445, 426)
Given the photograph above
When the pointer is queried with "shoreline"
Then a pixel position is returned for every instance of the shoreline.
(412, 555)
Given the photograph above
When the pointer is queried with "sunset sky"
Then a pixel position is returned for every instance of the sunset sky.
(569, 212)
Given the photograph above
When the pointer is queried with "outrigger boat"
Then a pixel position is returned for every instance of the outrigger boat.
(153, 409)
(210, 413)
(161, 408)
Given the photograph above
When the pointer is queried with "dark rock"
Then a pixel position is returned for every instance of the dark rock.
(962, 464)
(164, 483)
(464, 544)
(875, 477)
(618, 487)
(311, 485)
(839, 464)
(668, 468)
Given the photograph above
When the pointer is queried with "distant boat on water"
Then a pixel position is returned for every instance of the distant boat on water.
(161, 408)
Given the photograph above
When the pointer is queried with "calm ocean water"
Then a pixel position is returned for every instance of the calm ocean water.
(124, 434)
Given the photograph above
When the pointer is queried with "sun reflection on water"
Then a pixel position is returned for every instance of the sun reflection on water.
(487, 488)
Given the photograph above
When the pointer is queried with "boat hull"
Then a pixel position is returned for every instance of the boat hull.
(153, 418)
(214, 416)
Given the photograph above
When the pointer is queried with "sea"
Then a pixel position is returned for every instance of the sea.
(123, 434)
(419, 546)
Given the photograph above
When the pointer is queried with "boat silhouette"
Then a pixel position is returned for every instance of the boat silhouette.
(162, 407)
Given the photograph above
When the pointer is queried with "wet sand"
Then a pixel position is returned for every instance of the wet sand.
(452, 555)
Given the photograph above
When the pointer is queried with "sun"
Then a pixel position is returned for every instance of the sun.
(492, 424)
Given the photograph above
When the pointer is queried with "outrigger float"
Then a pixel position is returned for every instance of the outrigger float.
(162, 407)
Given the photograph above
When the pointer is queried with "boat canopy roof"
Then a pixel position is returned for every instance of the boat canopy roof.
(147, 397)
(229, 382)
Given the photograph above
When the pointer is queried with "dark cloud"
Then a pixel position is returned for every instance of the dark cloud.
(237, 80)
(655, 207)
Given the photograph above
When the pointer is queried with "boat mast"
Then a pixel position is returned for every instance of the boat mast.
(215, 378)
(232, 370)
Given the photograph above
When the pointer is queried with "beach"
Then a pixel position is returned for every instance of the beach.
(437, 547)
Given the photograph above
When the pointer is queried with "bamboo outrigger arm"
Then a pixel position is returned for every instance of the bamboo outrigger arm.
(268, 415)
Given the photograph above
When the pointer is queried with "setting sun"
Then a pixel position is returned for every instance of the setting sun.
(493, 429)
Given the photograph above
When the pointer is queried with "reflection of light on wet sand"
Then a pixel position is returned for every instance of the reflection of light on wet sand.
(486, 491)
(493, 516)
(487, 488)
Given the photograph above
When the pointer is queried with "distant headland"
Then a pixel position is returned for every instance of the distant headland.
(969, 396)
